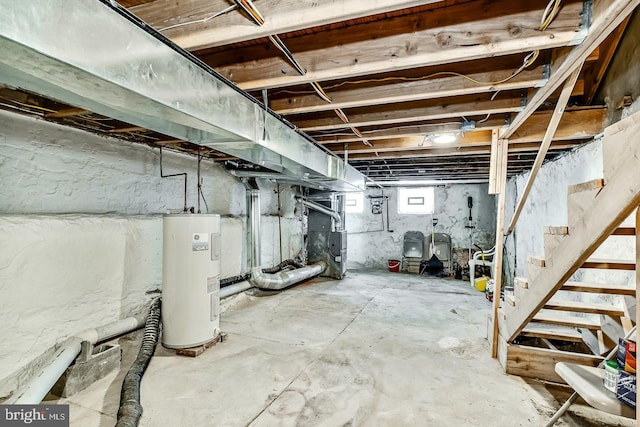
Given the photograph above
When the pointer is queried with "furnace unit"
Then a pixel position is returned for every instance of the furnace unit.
(326, 241)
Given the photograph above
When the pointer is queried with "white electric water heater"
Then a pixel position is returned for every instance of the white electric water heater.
(190, 279)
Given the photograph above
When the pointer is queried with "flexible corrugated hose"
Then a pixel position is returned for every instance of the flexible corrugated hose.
(283, 264)
(130, 409)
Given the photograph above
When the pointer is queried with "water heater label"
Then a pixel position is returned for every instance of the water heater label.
(213, 284)
(200, 242)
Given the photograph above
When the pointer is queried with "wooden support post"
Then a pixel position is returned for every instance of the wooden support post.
(493, 163)
(503, 149)
(544, 146)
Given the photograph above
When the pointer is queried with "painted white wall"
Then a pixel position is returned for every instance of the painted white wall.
(47, 168)
(547, 202)
(60, 274)
(81, 231)
(370, 245)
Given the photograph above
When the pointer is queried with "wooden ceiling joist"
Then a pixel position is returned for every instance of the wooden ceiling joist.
(529, 147)
(433, 111)
(280, 17)
(407, 91)
(607, 16)
(577, 124)
(67, 112)
(408, 131)
(371, 48)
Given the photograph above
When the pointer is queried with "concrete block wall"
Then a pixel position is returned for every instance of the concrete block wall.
(81, 231)
(370, 245)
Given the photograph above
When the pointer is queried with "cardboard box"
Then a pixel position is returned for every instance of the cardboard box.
(622, 351)
(630, 357)
(626, 388)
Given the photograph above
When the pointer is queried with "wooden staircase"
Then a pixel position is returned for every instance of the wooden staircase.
(548, 318)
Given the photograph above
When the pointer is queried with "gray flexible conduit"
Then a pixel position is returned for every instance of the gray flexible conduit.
(283, 264)
(130, 409)
(228, 281)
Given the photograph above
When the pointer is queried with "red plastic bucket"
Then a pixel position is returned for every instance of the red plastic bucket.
(394, 265)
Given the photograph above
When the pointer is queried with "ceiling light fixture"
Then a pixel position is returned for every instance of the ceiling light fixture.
(444, 138)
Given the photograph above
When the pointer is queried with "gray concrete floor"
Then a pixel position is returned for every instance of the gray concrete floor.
(374, 349)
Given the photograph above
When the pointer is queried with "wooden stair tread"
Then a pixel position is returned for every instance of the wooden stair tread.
(610, 264)
(537, 261)
(582, 307)
(554, 332)
(598, 288)
(510, 299)
(624, 231)
(566, 320)
(557, 231)
(586, 186)
(521, 281)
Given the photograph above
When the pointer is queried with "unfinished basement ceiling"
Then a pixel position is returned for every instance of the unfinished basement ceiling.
(378, 82)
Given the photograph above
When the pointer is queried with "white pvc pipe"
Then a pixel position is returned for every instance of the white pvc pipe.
(236, 288)
(35, 390)
(337, 219)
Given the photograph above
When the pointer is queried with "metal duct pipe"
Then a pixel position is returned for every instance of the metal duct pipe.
(33, 392)
(337, 219)
(122, 68)
(253, 210)
(286, 278)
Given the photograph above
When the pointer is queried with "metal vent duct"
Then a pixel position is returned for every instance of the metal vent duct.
(95, 55)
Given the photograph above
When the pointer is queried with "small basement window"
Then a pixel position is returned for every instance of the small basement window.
(417, 200)
(354, 202)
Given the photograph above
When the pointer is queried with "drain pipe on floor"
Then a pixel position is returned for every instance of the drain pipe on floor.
(36, 389)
